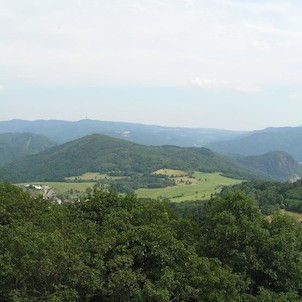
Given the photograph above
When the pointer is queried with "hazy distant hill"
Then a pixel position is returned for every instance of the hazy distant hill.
(17, 145)
(64, 131)
(259, 142)
(277, 165)
(99, 153)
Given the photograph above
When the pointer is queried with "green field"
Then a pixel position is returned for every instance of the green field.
(203, 186)
(170, 172)
(198, 187)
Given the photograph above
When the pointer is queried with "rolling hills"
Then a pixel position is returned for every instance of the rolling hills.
(100, 153)
(104, 154)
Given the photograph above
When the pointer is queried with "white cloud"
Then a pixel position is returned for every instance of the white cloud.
(151, 42)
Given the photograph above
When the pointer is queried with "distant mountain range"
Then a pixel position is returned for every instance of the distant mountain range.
(17, 145)
(248, 154)
(64, 131)
(288, 139)
(104, 154)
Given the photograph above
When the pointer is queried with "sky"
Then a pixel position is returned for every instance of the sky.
(226, 64)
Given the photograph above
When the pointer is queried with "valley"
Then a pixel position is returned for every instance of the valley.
(194, 186)
(110, 210)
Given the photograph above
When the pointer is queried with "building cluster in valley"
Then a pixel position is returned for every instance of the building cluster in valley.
(48, 193)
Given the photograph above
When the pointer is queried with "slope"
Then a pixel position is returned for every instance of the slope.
(277, 165)
(287, 139)
(17, 145)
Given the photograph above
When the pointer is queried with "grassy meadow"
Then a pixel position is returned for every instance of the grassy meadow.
(199, 187)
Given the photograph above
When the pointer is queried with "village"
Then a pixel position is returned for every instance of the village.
(48, 192)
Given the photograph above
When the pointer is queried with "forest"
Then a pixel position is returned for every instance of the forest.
(111, 247)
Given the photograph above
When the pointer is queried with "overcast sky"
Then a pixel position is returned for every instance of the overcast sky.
(231, 64)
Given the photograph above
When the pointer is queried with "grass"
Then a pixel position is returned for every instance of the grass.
(198, 187)
(171, 172)
(203, 185)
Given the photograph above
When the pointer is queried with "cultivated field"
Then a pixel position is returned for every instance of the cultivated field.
(200, 187)
(170, 172)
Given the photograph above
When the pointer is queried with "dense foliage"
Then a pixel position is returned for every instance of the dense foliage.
(118, 248)
(271, 196)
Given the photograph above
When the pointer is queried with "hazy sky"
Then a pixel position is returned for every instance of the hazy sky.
(232, 64)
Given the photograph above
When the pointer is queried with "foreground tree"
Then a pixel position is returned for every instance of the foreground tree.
(117, 248)
(266, 253)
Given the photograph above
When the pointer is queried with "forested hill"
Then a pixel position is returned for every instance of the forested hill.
(277, 165)
(17, 145)
(288, 139)
(64, 131)
(99, 153)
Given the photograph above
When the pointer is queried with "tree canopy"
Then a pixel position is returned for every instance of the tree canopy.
(111, 247)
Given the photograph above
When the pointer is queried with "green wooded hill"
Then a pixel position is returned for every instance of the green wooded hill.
(276, 165)
(99, 153)
(17, 145)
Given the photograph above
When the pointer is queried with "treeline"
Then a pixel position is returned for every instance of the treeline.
(118, 248)
(134, 181)
(271, 196)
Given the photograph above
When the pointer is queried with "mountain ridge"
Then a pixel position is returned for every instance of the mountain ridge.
(63, 131)
(288, 139)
